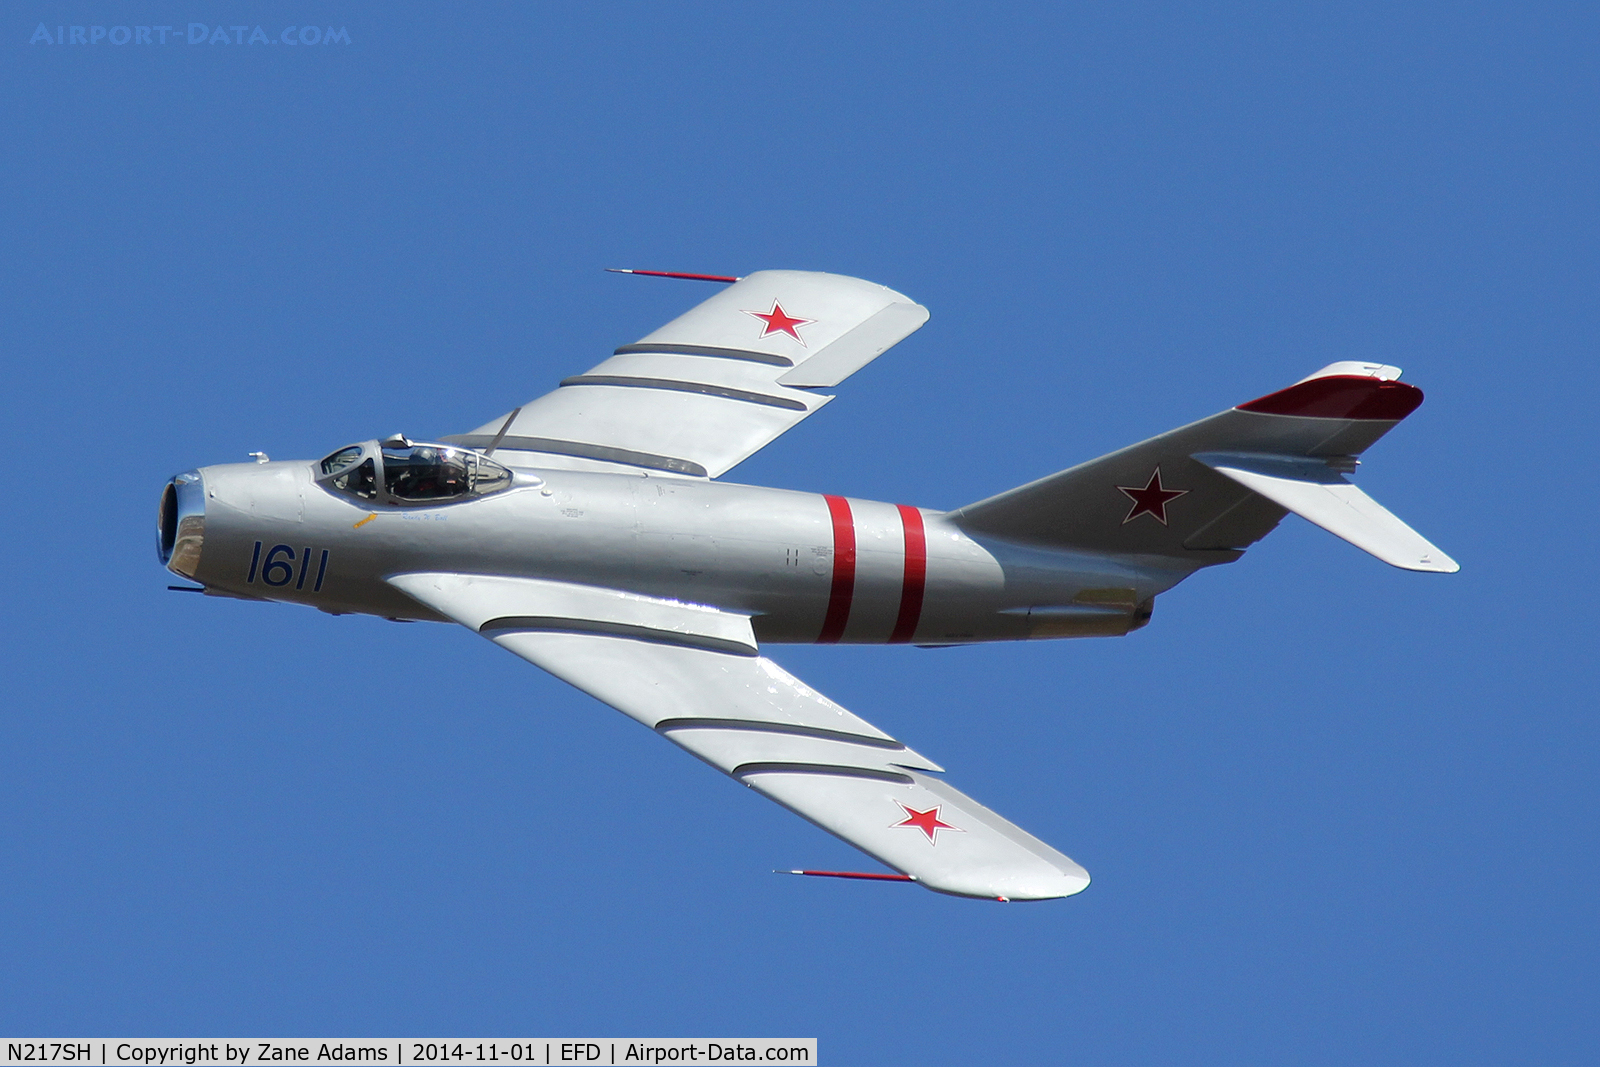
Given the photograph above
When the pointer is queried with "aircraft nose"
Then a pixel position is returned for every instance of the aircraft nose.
(181, 525)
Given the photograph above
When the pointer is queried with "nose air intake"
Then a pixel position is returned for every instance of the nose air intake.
(181, 524)
(167, 524)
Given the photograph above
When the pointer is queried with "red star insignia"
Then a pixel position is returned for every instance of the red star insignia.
(926, 821)
(779, 321)
(1151, 500)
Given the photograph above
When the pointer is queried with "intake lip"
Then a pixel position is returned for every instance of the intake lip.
(181, 524)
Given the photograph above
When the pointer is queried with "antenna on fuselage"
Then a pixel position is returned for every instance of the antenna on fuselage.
(501, 436)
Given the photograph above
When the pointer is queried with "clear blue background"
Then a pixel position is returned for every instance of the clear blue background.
(1335, 812)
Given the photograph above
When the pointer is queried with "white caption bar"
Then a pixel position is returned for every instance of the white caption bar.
(408, 1052)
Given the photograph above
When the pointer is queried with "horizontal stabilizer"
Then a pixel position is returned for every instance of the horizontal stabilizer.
(1315, 491)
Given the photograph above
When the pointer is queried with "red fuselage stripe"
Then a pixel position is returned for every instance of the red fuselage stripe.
(916, 576)
(844, 571)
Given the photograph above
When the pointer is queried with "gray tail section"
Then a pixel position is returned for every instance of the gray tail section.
(1204, 492)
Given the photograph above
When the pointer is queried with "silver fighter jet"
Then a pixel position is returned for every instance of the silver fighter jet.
(586, 532)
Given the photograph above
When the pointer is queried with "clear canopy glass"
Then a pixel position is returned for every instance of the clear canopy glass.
(413, 473)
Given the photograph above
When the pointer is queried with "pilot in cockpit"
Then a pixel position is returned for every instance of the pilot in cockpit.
(413, 473)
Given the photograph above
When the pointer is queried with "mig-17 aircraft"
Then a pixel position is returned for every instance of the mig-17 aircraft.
(588, 533)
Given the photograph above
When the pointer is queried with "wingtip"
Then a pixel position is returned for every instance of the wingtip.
(1430, 562)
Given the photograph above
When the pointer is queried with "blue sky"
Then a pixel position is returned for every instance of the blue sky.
(1335, 812)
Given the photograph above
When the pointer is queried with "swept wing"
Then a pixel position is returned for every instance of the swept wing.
(714, 385)
(696, 676)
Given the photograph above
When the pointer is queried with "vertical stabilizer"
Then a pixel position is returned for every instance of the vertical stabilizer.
(1204, 492)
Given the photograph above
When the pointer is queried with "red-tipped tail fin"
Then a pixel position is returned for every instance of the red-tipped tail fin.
(1362, 391)
(1204, 492)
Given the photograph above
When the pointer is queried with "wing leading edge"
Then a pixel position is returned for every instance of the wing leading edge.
(695, 676)
(714, 385)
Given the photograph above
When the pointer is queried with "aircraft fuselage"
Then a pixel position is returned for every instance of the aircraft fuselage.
(806, 567)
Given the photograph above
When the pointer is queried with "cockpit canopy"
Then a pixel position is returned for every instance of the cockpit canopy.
(411, 474)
